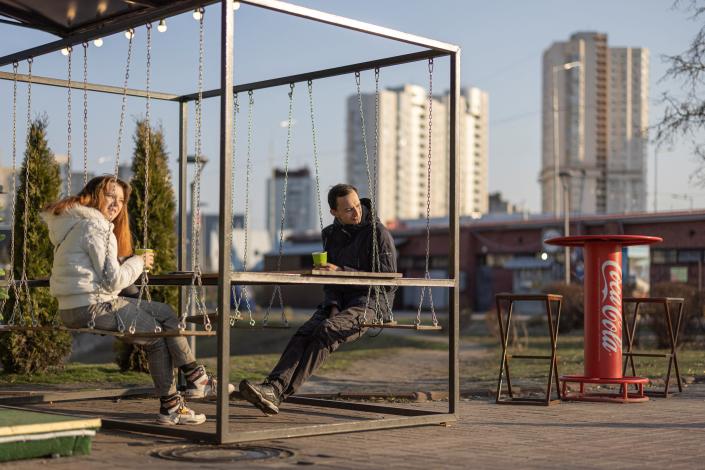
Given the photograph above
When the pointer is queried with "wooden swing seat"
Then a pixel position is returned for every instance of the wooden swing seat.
(96, 331)
(241, 323)
(398, 326)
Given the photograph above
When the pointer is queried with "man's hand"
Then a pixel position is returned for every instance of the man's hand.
(329, 267)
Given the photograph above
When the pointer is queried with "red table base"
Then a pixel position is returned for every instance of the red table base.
(622, 397)
(603, 318)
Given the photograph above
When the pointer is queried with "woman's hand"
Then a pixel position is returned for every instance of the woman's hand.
(148, 258)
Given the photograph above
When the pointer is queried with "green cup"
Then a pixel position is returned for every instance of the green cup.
(320, 258)
(142, 251)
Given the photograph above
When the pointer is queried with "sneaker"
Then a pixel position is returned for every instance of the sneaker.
(179, 414)
(263, 396)
(203, 385)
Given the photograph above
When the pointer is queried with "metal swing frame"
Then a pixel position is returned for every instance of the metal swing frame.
(400, 417)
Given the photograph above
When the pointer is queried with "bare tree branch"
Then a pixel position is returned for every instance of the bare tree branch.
(684, 115)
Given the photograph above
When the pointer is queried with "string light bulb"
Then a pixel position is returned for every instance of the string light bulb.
(98, 42)
(198, 14)
(236, 5)
(129, 34)
(161, 27)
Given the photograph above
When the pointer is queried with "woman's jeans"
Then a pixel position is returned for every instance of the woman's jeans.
(163, 354)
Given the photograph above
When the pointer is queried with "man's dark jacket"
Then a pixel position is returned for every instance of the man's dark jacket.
(350, 248)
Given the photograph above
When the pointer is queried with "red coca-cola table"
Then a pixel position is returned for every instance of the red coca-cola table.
(603, 317)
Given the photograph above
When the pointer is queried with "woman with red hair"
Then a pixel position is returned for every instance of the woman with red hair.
(91, 236)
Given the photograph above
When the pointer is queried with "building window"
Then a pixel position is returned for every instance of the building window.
(660, 256)
(497, 260)
(438, 262)
(689, 256)
(679, 274)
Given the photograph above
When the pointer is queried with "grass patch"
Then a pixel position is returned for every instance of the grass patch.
(249, 366)
(84, 374)
(257, 366)
(570, 360)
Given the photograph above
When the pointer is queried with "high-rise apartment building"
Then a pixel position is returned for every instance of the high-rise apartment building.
(301, 208)
(397, 151)
(595, 126)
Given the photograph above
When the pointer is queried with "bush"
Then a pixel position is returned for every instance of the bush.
(692, 313)
(572, 308)
(34, 351)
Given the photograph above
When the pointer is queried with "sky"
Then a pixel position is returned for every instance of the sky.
(502, 44)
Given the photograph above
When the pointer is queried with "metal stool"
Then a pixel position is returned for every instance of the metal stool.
(504, 362)
(672, 357)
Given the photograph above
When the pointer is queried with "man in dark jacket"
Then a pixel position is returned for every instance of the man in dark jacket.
(338, 320)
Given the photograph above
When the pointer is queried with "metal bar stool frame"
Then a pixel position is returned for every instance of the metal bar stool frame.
(672, 356)
(547, 299)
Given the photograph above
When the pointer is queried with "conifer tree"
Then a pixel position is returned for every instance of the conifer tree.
(161, 218)
(34, 351)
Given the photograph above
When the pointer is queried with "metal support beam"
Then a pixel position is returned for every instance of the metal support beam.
(323, 73)
(78, 85)
(131, 20)
(454, 326)
(387, 422)
(225, 219)
(347, 23)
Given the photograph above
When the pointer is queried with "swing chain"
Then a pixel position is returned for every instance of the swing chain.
(117, 150)
(373, 190)
(68, 124)
(144, 282)
(196, 296)
(377, 268)
(10, 277)
(85, 113)
(372, 176)
(376, 260)
(379, 315)
(148, 139)
(315, 154)
(23, 276)
(248, 174)
(427, 274)
(233, 290)
(123, 107)
(277, 288)
(196, 209)
(369, 183)
(235, 317)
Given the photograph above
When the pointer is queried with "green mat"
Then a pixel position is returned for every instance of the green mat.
(30, 434)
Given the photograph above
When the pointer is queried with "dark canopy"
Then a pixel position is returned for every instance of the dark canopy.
(66, 18)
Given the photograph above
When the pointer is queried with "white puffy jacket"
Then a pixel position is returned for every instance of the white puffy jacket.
(77, 275)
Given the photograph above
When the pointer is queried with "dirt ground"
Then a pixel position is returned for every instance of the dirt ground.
(401, 370)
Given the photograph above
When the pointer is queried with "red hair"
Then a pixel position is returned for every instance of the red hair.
(93, 195)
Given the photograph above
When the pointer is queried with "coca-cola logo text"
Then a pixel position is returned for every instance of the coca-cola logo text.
(611, 307)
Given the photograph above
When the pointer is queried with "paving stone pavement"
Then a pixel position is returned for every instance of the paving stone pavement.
(662, 433)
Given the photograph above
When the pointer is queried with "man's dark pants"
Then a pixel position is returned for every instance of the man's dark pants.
(311, 345)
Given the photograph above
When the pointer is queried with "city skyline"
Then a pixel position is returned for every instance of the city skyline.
(405, 115)
(506, 62)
